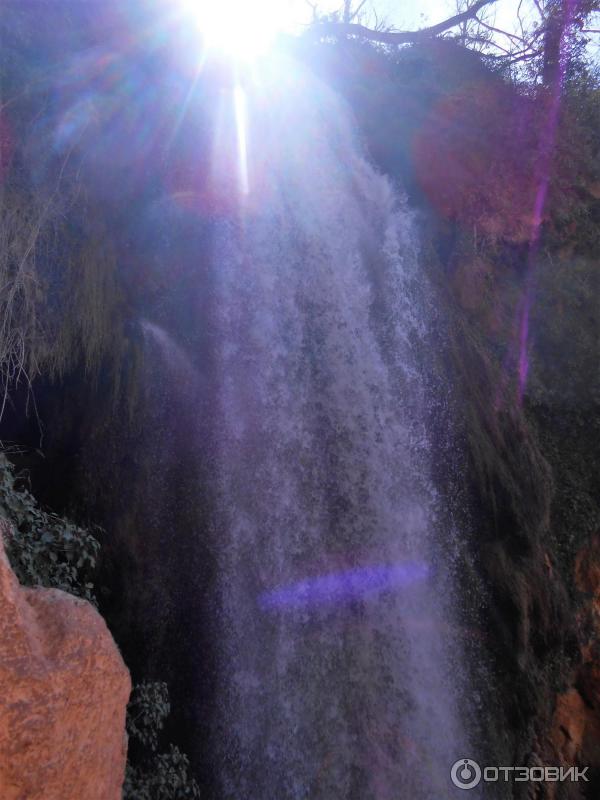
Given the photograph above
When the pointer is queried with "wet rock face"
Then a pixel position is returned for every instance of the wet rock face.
(64, 693)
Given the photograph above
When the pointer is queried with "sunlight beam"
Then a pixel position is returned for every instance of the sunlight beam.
(241, 124)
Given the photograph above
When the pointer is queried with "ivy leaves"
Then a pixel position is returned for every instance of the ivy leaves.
(45, 549)
(159, 776)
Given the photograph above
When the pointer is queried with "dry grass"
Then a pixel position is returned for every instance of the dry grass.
(60, 301)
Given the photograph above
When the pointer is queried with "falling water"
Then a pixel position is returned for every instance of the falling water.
(335, 646)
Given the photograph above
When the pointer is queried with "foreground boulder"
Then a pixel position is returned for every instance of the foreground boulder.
(64, 691)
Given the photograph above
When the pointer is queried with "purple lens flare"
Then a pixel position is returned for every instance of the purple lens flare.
(337, 588)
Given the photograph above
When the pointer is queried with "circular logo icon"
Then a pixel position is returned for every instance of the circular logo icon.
(465, 773)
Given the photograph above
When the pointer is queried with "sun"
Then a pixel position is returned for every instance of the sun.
(242, 29)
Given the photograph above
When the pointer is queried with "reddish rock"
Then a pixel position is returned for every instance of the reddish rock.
(569, 725)
(574, 732)
(587, 568)
(64, 693)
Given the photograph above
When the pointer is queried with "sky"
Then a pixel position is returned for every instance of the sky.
(406, 15)
(410, 15)
(259, 20)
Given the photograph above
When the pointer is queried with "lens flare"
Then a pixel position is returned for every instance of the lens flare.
(239, 100)
(239, 28)
(342, 587)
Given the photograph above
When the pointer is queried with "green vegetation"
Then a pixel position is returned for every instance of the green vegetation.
(43, 548)
(156, 776)
(47, 550)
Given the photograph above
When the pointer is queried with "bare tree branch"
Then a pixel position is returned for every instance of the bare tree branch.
(539, 8)
(522, 57)
(313, 8)
(400, 37)
(492, 28)
(520, 18)
(354, 14)
(482, 40)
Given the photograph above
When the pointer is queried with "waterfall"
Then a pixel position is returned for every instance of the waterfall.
(336, 652)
